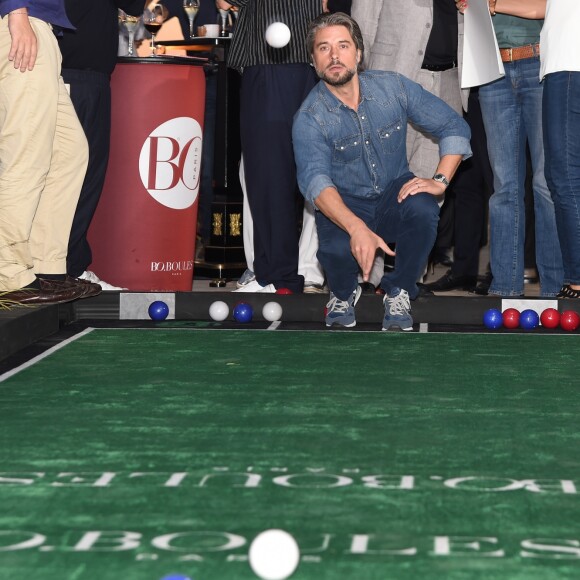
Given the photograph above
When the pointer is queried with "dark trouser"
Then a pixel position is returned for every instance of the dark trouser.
(412, 225)
(471, 186)
(270, 95)
(90, 93)
(205, 198)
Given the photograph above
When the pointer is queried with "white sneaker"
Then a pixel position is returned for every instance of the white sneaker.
(92, 277)
(247, 277)
(256, 287)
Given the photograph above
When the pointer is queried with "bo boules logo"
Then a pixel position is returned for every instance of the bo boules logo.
(170, 162)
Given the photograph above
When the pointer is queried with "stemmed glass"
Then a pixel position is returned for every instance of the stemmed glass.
(153, 18)
(224, 14)
(191, 8)
(130, 23)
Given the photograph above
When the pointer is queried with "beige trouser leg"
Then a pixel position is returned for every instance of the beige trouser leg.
(43, 158)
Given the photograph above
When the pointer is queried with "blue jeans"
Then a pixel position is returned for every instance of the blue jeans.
(412, 225)
(561, 132)
(512, 114)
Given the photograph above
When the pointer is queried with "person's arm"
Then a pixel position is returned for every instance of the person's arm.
(132, 7)
(363, 242)
(367, 13)
(24, 47)
(532, 9)
(447, 167)
(223, 5)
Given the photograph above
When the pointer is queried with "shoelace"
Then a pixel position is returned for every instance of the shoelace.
(337, 305)
(399, 304)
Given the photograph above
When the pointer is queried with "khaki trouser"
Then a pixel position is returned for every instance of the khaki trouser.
(43, 159)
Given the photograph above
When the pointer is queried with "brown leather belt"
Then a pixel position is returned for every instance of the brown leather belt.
(519, 52)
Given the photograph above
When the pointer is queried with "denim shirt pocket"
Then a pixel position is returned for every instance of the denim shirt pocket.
(347, 149)
(391, 136)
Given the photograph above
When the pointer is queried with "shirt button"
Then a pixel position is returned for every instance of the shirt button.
(428, 25)
(363, 117)
(366, 142)
(374, 164)
(341, 148)
(355, 143)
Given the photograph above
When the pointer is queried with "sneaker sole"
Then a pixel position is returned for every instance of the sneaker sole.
(396, 326)
(311, 290)
(351, 325)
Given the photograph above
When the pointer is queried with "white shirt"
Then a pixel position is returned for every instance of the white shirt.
(560, 37)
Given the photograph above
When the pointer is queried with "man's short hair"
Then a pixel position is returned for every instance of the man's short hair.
(337, 19)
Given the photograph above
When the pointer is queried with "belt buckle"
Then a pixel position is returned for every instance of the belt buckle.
(511, 54)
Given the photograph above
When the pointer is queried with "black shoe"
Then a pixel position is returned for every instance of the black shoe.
(482, 289)
(423, 291)
(531, 276)
(451, 281)
(439, 256)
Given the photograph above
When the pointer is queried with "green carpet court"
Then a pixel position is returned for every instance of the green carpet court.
(132, 454)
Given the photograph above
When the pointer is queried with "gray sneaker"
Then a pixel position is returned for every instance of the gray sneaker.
(341, 312)
(397, 310)
(247, 277)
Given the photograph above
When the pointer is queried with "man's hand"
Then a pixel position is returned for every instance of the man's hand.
(24, 47)
(363, 245)
(419, 185)
(223, 5)
(324, 5)
(461, 5)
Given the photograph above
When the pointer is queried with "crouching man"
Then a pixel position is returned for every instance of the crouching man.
(349, 141)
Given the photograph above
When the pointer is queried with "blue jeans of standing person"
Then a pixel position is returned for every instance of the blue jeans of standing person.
(512, 114)
(561, 139)
(412, 225)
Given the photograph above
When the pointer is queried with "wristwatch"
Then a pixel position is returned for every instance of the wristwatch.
(441, 179)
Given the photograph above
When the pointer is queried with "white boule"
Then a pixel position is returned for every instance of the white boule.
(278, 35)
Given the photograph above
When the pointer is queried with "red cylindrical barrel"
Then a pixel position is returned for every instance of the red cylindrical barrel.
(143, 233)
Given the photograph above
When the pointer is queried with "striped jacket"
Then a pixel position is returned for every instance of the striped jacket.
(248, 45)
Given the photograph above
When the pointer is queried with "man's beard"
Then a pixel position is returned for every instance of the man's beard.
(337, 81)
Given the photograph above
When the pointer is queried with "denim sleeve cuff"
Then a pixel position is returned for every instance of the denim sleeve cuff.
(455, 146)
(10, 5)
(317, 185)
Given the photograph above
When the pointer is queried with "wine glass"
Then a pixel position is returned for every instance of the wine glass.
(153, 18)
(191, 8)
(130, 23)
(224, 15)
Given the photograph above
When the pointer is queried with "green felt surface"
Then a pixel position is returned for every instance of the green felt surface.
(133, 454)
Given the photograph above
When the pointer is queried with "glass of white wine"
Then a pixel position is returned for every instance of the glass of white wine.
(130, 23)
(223, 21)
(191, 8)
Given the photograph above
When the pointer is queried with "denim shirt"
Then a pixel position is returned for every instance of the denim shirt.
(361, 152)
(51, 11)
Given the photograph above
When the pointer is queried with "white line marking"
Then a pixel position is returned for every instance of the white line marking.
(45, 354)
(274, 325)
(423, 327)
